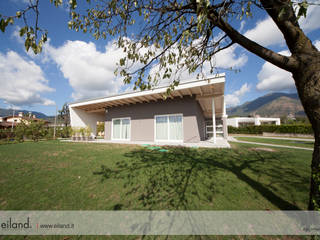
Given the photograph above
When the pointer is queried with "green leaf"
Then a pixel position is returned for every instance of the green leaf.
(23, 31)
(18, 14)
(2, 25)
(27, 44)
(122, 61)
(73, 4)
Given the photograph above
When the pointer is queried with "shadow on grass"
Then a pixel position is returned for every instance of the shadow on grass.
(185, 178)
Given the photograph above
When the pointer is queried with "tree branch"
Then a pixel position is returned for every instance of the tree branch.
(284, 17)
(284, 62)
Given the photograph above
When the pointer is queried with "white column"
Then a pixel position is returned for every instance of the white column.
(257, 121)
(224, 121)
(237, 123)
(214, 129)
(106, 126)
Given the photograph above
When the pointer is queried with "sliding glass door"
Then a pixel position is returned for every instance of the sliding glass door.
(121, 129)
(169, 128)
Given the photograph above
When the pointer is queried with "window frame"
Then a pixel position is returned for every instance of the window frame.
(121, 139)
(155, 128)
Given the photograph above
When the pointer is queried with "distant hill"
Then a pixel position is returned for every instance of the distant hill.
(8, 112)
(270, 105)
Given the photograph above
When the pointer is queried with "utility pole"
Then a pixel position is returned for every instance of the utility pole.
(55, 123)
(12, 119)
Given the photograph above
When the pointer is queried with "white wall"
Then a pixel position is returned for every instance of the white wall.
(81, 118)
(14, 119)
(276, 120)
(234, 122)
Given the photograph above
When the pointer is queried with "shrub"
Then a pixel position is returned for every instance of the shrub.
(65, 132)
(76, 132)
(87, 132)
(6, 134)
(20, 131)
(82, 132)
(36, 130)
(285, 128)
(100, 128)
(49, 133)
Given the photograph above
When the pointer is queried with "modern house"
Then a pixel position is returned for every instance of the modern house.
(257, 121)
(194, 112)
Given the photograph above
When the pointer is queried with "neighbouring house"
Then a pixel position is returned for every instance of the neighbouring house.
(12, 121)
(246, 121)
(291, 116)
(194, 112)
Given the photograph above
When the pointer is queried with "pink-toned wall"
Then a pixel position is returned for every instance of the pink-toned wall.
(142, 118)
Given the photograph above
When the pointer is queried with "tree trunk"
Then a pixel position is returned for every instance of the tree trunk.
(307, 80)
(314, 196)
(304, 64)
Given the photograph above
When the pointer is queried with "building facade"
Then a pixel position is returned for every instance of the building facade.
(257, 121)
(146, 116)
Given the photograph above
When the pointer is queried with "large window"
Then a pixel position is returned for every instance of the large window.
(168, 128)
(121, 129)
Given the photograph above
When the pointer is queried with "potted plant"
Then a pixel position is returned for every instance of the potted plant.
(88, 133)
(82, 133)
(77, 134)
(73, 134)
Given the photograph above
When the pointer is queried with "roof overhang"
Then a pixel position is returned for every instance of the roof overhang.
(203, 90)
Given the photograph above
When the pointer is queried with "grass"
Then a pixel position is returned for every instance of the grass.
(53, 175)
(295, 143)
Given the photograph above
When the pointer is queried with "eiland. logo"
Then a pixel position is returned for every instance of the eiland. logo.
(15, 224)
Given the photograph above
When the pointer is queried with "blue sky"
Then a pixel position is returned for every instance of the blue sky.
(75, 66)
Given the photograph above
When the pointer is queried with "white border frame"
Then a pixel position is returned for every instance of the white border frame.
(155, 129)
(120, 139)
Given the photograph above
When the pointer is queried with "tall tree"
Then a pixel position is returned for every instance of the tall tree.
(185, 35)
(64, 114)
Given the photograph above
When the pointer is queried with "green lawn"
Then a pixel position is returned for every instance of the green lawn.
(72, 176)
(295, 143)
(52, 175)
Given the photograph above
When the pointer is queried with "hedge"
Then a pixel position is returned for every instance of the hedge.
(22, 132)
(285, 128)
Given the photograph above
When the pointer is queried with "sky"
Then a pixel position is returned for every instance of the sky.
(75, 66)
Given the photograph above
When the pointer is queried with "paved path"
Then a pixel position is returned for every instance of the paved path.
(281, 138)
(220, 143)
(232, 139)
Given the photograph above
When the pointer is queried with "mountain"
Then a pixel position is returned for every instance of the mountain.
(270, 105)
(8, 112)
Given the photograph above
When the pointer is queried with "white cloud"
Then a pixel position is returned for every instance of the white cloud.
(311, 22)
(317, 44)
(228, 58)
(22, 81)
(16, 35)
(20, 1)
(272, 78)
(234, 98)
(242, 24)
(267, 33)
(90, 72)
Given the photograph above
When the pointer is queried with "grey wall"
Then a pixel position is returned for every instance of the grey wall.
(142, 118)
